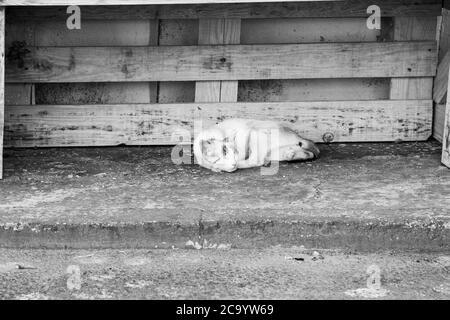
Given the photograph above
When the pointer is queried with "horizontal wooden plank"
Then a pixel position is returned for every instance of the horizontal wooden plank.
(310, 9)
(127, 2)
(229, 62)
(144, 124)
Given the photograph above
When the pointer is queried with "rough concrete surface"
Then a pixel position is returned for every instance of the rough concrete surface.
(274, 273)
(360, 196)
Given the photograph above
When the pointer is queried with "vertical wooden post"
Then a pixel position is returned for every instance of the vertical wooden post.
(446, 135)
(218, 31)
(153, 41)
(2, 84)
(413, 28)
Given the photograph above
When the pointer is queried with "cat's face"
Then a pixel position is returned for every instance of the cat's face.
(308, 150)
(222, 153)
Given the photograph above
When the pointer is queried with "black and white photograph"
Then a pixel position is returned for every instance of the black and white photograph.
(216, 158)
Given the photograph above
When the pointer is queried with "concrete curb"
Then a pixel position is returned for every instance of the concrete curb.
(360, 235)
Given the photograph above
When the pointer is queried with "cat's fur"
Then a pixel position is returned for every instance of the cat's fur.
(243, 143)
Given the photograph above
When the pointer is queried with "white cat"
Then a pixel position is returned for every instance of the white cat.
(243, 143)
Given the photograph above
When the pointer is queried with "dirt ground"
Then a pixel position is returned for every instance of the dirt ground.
(393, 195)
(275, 273)
(314, 230)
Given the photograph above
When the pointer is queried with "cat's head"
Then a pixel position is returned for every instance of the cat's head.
(213, 150)
(308, 150)
(221, 153)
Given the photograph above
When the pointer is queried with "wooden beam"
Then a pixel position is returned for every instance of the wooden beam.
(444, 37)
(19, 93)
(127, 2)
(441, 80)
(2, 84)
(438, 121)
(446, 132)
(218, 31)
(210, 31)
(309, 9)
(143, 124)
(446, 135)
(413, 28)
(230, 62)
(137, 2)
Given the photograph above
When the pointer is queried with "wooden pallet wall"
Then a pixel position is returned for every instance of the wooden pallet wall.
(440, 83)
(135, 74)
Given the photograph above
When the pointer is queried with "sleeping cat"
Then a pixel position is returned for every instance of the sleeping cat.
(243, 143)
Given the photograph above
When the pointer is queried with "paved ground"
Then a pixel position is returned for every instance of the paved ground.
(275, 273)
(362, 196)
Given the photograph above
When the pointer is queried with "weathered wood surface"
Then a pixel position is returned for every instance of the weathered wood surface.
(19, 93)
(100, 33)
(211, 32)
(446, 137)
(103, 125)
(446, 134)
(177, 33)
(2, 84)
(438, 121)
(313, 30)
(444, 41)
(407, 29)
(128, 2)
(185, 32)
(306, 9)
(230, 62)
(441, 80)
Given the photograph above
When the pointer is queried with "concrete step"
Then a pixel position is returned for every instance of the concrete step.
(364, 197)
